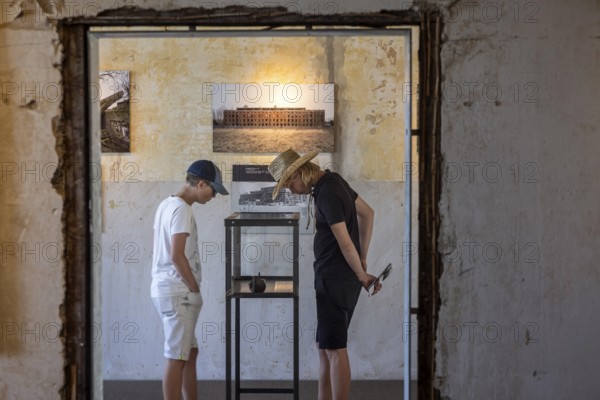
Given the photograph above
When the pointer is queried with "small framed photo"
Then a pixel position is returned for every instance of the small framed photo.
(114, 90)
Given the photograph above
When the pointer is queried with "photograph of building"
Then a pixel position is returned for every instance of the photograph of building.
(266, 118)
(273, 118)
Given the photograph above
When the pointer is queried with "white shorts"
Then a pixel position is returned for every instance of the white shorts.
(179, 315)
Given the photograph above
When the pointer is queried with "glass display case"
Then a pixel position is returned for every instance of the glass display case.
(264, 244)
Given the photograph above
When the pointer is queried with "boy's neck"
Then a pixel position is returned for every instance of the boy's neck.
(185, 193)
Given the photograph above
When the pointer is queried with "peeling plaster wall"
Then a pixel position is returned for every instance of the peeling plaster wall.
(31, 242)
(519, 291)
(172, 126)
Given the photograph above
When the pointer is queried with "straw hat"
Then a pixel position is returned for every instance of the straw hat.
(285, 164)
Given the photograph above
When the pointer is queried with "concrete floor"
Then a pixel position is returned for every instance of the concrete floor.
(215, 390)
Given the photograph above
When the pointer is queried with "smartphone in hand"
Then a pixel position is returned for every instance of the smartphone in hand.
(384, 274)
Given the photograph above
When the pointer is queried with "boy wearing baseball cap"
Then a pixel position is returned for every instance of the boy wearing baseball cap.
(176, 276)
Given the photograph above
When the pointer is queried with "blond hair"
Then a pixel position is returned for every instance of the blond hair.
(307, 172)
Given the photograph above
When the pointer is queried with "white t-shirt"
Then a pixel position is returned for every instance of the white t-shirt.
(173, 216)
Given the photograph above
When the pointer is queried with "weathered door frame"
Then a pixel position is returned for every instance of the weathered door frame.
(75, 143)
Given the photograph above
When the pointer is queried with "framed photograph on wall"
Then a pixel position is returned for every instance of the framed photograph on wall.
(272, 117)
(252, 190)
(114, 87)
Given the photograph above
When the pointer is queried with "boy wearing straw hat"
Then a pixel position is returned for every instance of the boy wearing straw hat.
(344, 223)
(176, 276)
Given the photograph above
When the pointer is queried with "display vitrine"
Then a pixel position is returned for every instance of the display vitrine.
(278, 280)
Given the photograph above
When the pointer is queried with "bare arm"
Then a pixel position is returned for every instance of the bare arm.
(350, 254)
(181, 262)
(366, 215)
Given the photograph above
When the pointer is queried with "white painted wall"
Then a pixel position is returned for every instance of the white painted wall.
(131, 331)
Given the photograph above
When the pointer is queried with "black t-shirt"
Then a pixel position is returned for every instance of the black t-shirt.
(334, 202)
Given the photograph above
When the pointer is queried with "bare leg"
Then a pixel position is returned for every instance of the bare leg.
(324, 377)
(172, 379)
(339, 365)
(190, 390)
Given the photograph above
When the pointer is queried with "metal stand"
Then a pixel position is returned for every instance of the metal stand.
(236, 289)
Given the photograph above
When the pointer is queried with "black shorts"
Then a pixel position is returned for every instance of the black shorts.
(336, 300)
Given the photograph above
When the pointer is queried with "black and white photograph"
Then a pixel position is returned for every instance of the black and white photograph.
(252, 189)
(271, 117)
(114, 111)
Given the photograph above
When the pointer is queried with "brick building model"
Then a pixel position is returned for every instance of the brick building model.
(262, 197)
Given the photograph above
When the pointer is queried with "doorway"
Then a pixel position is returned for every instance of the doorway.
(122, 167)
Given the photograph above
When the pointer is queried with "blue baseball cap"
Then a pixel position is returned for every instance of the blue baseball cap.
(209, 172)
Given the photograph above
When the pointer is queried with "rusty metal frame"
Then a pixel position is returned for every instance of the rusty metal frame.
(74, 147)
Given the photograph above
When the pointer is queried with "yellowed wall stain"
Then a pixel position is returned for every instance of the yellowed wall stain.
(171, 120)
